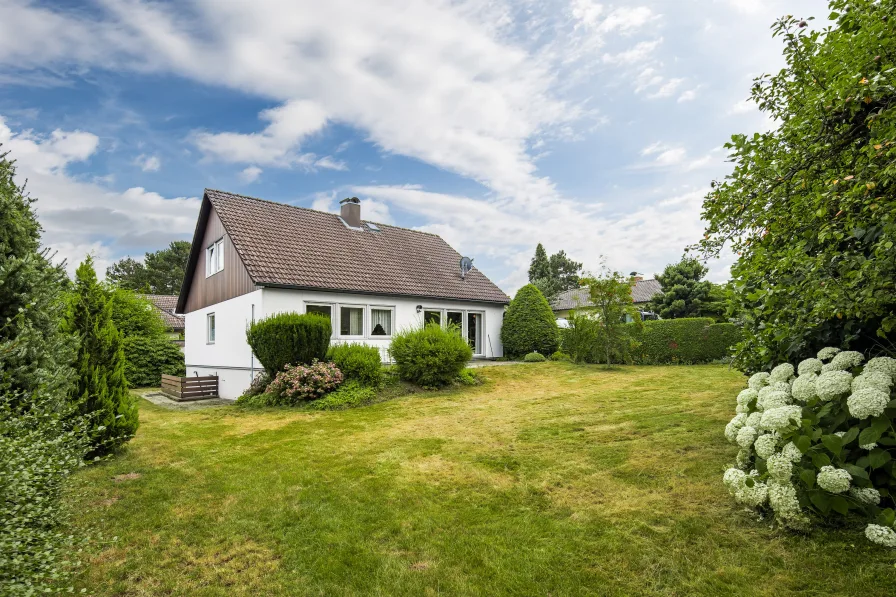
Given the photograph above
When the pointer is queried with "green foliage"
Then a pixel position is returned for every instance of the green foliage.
(350, 394)
(809, 207)
(148, 351)
(41, 443)
(162, 272)
(684, 291)
(579, 340)
(560, 356)
(101, 389)
(552, 275)
(358, 362)
(289, 339)
(534, 357)
(299, 383)
(430, 356)
(828, 439)
(468, 377)
(685, 341)
(148, 357)
(529, 324)
(257, 387)
(610, 296)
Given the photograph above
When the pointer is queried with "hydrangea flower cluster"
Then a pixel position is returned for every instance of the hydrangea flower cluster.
(782, 429)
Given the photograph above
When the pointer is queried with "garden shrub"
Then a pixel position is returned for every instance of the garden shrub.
(350, 394)
(534, 357)
(817, 446)
(579, 340)
(684, 341)
(289, 339)
(560, 356)
(258, 385)
(529, 324)
(297, 383)
(430, 356)
(358, 361)
(468, 377)
(147, 358)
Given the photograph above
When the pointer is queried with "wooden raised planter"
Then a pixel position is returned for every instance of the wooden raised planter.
(183, 389)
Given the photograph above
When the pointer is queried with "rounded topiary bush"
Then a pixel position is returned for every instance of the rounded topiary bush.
(289, 339)
(529, 324)
(358, 362)
(430, 356)
(819, 446)
(534, 357)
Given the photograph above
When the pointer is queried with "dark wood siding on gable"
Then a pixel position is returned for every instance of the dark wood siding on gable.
(231, 282)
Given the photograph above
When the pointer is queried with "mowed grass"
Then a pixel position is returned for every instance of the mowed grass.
(550, 479)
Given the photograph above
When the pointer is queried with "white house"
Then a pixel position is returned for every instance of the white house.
(253, 258)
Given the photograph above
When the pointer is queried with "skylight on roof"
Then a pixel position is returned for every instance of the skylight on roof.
(373, 227)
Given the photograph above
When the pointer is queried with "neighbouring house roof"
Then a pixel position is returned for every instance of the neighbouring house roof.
(167, 305)
(642, 291)
(286, 246)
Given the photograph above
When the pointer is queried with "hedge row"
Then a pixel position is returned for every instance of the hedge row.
(685, 341)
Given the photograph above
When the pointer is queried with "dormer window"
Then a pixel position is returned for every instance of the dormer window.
(214, 257)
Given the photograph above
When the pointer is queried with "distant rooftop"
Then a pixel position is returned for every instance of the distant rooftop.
(642, 292)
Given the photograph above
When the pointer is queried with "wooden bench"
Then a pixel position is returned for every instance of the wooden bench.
(183, 389)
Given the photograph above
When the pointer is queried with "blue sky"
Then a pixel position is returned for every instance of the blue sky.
(590, 127)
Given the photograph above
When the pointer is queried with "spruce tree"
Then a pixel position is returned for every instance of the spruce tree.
(101, 390)
(540, 266)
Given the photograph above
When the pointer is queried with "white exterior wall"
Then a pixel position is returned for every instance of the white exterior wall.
(231, 359)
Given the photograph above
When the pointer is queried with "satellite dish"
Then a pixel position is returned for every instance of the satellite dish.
(466, 264)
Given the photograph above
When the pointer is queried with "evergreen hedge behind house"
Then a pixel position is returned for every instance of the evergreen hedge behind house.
(289, 339)
(529, 324)
(147, 358)
(685, 341)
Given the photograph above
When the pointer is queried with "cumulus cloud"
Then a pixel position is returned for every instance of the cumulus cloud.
(250, 174)
(81, 217)
(148, 163)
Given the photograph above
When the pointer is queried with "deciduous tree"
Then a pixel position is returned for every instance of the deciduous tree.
(161, 272)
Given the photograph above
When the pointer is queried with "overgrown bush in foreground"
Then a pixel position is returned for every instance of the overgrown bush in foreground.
(816, 443)
(430, 356)
(358, 361)
(289, 339)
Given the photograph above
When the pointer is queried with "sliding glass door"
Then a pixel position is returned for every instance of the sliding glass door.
(474, 333)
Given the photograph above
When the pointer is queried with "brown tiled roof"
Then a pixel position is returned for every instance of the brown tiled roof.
(284, 245)
(643, 291)
(166, 304)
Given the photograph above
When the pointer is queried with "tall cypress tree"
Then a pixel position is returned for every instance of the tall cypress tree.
(101, 390)
(540, 266)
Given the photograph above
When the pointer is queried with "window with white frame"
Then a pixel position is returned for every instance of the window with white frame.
(351, 320)
(381, 321)
(214, 257)
(210, 328)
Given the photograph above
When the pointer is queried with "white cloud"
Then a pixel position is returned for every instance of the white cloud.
(148, 163)
(668, 87)
(743, 107)
(329, 163)
(250, 174)
(638, 53)
(87, 217)
(689, 95)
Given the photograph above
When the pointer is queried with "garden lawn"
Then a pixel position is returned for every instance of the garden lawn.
(550, 479)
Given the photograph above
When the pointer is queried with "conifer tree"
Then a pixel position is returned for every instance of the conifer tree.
(101, 390)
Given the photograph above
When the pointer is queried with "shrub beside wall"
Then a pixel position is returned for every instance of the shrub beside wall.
(430, 356)
(147, 358)
(684, 341)
(289, 339)
(358, 362)
(529, 324)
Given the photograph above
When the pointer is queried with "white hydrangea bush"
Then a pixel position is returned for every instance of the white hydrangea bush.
(818, 441)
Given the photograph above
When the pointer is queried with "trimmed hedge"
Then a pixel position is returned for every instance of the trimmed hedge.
(684, 341)
(148, 357)
(534, 357)
(430, 356)
(529, 324)
(289, 339)
(358, 362)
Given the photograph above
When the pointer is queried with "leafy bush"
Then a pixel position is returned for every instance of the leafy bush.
(147, 358)
(468, 377)
(258, 386)
(289, 339)
(358, 361)
(529, 324)
(560, 356)
(304, 382)
(818, 446)
(430, 356)
(684, 341)
(534, 357)
(350, 394)
(579, 340)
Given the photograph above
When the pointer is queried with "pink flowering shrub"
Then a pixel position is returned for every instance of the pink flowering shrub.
(304, 382)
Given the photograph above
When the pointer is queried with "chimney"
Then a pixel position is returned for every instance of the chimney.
(638, 278)
(350, 210)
